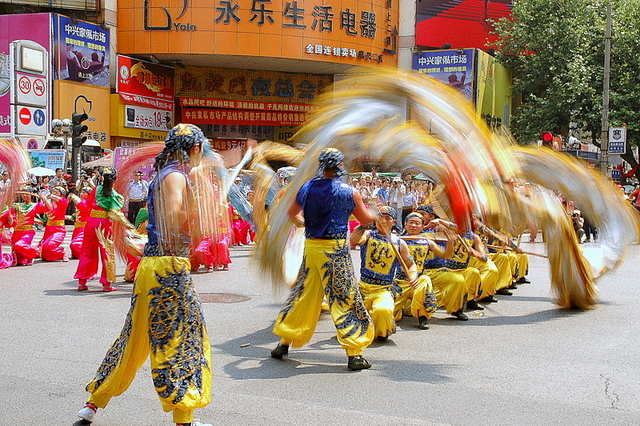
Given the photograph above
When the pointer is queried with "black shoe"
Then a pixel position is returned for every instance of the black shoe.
(382, 338)
(489, 299)
(523, 280)
(423, 322)
(460, 315)
(280, 351)
(504, 292)
(357, 363)
(513, 286)
(474, 305)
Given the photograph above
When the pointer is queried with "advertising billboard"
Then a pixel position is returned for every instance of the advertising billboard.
(452, 67)
(81, 51)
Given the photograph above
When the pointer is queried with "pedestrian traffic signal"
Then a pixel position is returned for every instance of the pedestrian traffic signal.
(77, 129)
(547, 139)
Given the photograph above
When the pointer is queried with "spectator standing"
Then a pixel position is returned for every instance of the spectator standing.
(137, 191)
(58, 180)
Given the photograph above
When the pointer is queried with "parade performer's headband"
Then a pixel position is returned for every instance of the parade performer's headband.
(331, 158)
(181, 137)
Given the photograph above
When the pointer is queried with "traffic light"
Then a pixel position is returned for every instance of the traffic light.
(77, 129)
(547, 139)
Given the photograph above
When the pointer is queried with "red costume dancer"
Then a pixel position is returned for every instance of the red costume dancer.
(22, 216)
(102, 200)
(55, 231)
(83, 212)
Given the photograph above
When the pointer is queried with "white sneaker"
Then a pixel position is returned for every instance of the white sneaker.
(87, 412)
(200, 424)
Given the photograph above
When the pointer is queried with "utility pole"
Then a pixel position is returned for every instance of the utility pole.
(604, 142)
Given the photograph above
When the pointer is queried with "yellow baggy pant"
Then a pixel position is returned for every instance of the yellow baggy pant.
(165, 321)
(450, 287)
(488, 276)
(417, 302)
(326, 268)
(380, 302)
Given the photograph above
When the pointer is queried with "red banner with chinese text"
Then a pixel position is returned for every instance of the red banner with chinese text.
(231, 116)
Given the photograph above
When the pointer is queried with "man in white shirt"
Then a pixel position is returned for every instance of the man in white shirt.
(137, 191)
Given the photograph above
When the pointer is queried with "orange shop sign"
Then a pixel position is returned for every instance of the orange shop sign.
(345, 31)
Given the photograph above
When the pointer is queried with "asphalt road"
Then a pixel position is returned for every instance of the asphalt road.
(522, 361)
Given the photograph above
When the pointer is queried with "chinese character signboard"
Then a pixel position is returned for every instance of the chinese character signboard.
(243, 97)
(145, 83)
(618, 140)
(347, 31)
(451, 67)
(82, 51)
(49, 158)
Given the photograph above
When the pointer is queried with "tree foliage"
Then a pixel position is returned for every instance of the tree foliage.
(555, 49)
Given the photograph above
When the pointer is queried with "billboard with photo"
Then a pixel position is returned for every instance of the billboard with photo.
(452, 67)
(81, 51)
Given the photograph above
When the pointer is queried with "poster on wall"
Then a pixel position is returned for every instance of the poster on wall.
(81, 51)
(452, 67)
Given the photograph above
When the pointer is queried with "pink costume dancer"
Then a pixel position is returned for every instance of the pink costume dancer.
(241, 228)
(22, 216)
(84, 210)
(102, 200)
(204, 254)
(6, 259)
(55, 231)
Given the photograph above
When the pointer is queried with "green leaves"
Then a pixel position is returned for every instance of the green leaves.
(556, 52)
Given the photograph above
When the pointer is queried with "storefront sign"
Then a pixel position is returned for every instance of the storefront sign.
(81, 51)
(147, 118)
(228, 144)
(145, 83)
(366, 31)
(263, 106)
(249, 85)
(230, 116)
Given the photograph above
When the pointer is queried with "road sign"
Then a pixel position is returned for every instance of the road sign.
(617, 140)
(30, 121)
(615, 174)
(31, 90)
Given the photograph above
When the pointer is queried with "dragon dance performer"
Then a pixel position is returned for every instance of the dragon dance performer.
(82, 215)
(379, 265)
(22, 216)
(419, 299)
(165, 320)
(55, 230)
(103, 200)
(323, 206)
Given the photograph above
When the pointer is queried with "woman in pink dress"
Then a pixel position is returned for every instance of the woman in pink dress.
(55, 230)
(83, 211)
(21, 216)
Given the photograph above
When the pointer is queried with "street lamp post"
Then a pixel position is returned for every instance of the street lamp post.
(604, 141)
